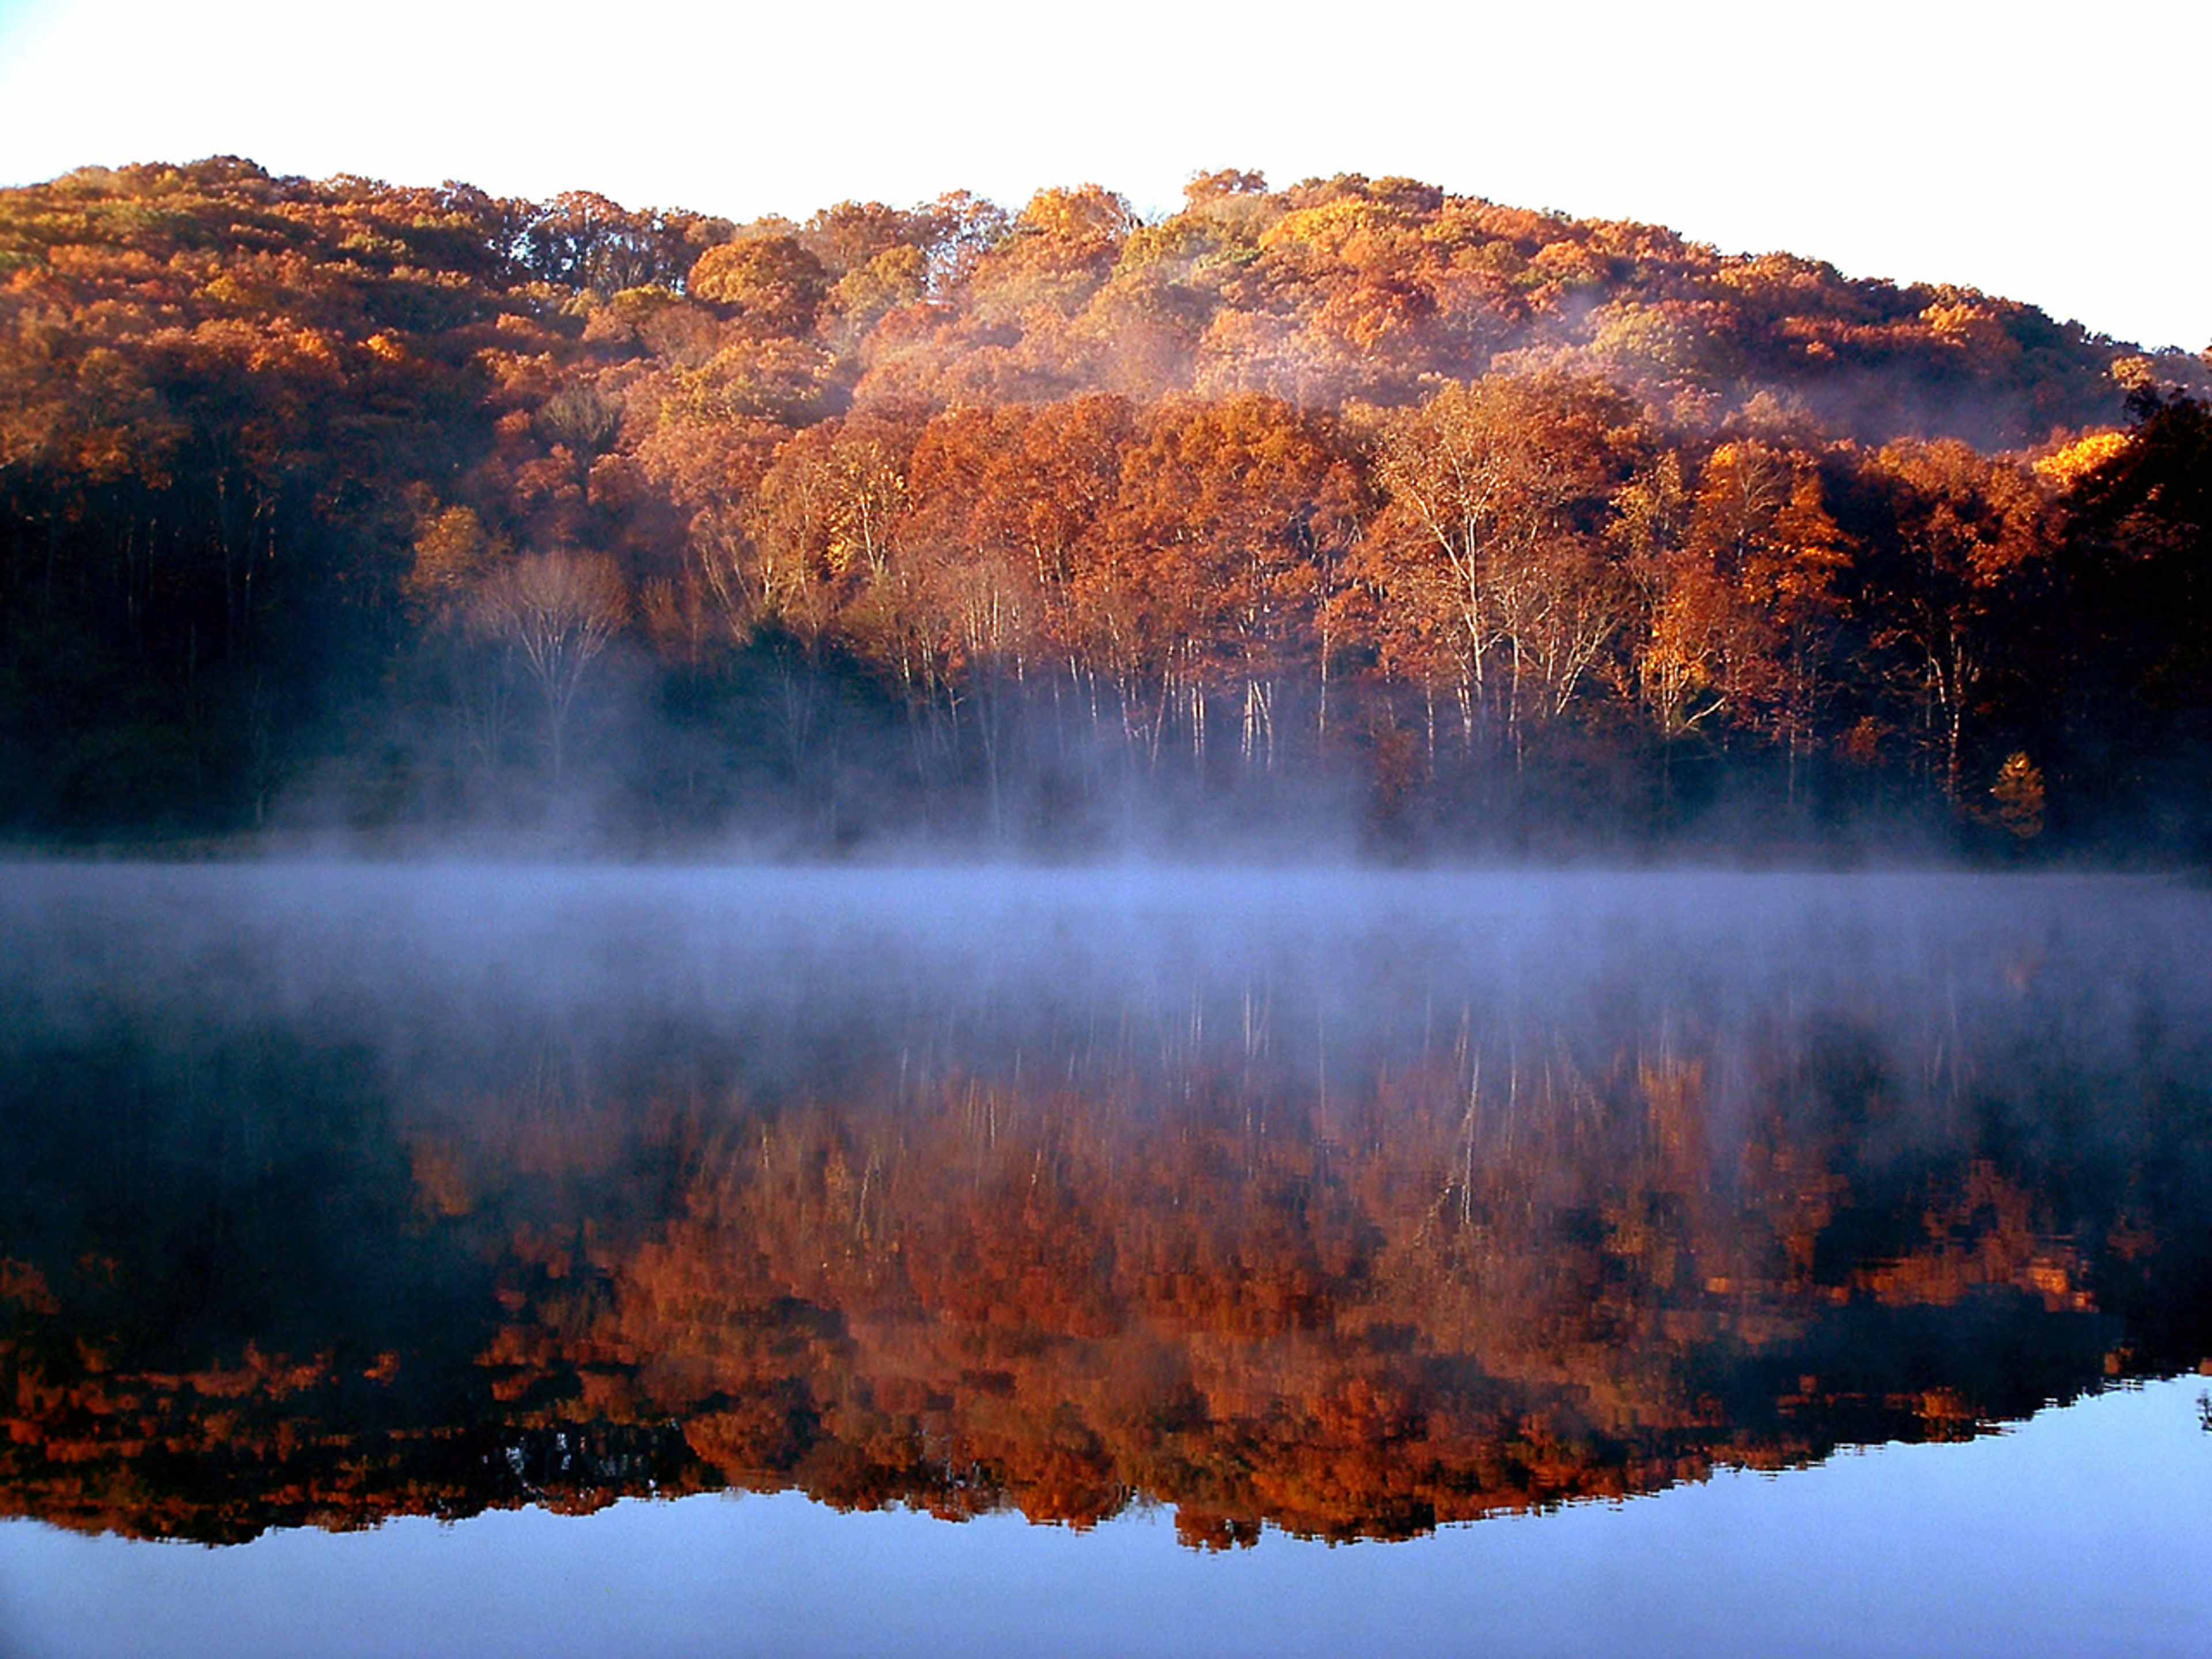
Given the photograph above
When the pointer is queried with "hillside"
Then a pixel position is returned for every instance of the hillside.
(335, 503)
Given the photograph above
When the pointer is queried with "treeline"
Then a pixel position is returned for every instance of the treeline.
(338, 505)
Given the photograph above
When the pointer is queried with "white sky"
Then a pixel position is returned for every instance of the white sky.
(2052, 154)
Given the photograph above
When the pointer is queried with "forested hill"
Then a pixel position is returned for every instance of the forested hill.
(1331, 291)
(404, 507)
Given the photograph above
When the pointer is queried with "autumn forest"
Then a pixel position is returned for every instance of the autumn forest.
(342, 508)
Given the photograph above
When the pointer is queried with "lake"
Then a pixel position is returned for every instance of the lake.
(494, 1258)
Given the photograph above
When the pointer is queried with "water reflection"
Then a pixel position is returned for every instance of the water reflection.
(1348, 1205)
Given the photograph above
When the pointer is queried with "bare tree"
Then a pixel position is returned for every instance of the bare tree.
(559, 610)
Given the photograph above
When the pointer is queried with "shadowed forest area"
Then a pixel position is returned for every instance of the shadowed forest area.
(1352, 510)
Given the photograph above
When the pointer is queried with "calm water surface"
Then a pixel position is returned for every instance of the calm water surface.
(512, 1260)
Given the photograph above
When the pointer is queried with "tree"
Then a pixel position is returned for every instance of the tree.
(771, 285)
(817, 543)
(2136, 622)
(2018, 792)
(1962, 531)
(1756, 587)
(559, 610)
(1222, 543)
(999, 499)
(1497, 494)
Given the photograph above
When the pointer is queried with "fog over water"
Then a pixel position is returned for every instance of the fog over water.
(799, 984)
(392, 954)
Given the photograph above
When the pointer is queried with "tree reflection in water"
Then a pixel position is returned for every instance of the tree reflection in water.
(1349, 1207)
